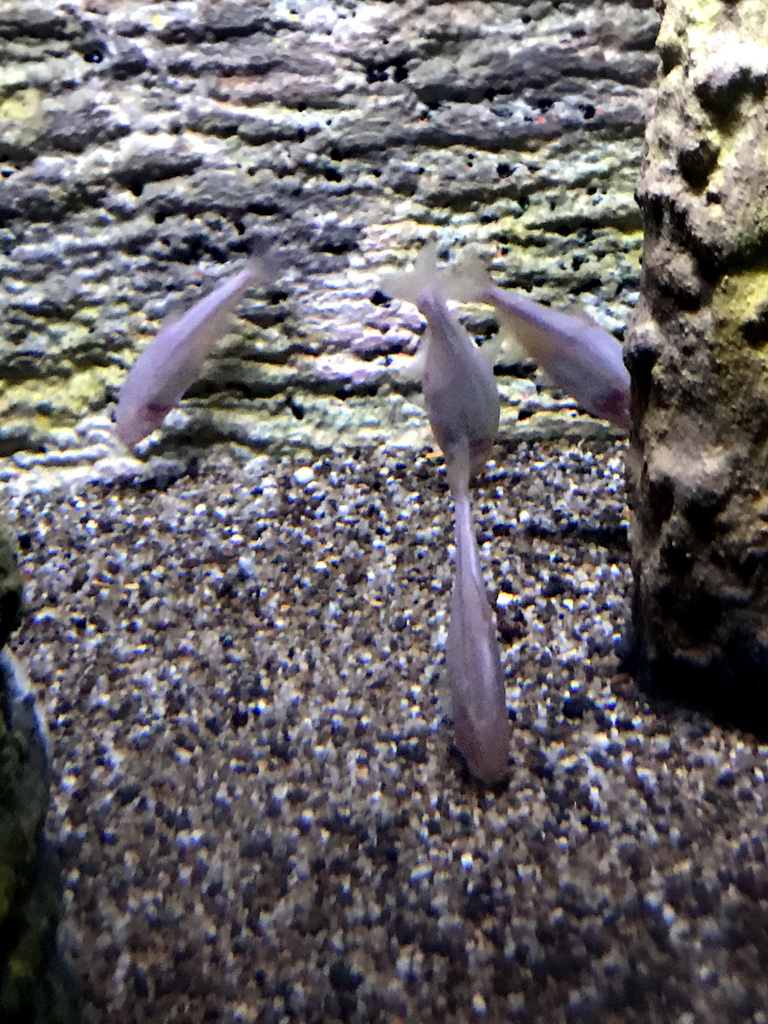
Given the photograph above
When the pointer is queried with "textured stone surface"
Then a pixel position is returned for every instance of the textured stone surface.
(10, 588)
(147, 146)
(35, 985)
(260, 815)
(698, 467)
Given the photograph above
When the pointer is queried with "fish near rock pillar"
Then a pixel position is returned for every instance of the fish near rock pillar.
(697, 352)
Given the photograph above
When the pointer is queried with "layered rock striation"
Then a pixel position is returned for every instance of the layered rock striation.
(145, 147)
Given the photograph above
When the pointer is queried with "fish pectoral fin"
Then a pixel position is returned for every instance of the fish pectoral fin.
(415, 370)
(515, 340)
(490, 350)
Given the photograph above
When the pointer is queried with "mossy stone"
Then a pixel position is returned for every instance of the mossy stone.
(10, 589)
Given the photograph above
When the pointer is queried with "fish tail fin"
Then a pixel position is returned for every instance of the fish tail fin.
(468, 279)
(423, 276)
(260, 271)
(263, 265)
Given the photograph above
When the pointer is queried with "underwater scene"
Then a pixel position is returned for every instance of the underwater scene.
(316, 699)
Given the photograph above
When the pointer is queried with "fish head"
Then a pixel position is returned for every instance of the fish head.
(134, 424)
(484, 745)
(614, 407)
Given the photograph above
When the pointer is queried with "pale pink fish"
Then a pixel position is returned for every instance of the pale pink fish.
(478, 703)
(460, 391)
(462, 403)
(582, 359)
(173, 360)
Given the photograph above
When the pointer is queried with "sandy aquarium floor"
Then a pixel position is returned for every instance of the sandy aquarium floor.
(260, 814)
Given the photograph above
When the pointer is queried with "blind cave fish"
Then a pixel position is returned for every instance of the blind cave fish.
(459, 388)
(173, 359)
(582, 359)
(462, 403)
(477, 697)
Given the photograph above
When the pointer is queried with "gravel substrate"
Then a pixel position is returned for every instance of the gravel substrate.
(260, 813)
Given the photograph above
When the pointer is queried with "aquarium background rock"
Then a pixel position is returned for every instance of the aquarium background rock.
(146, 147)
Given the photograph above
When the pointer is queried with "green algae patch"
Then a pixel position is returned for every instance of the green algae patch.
(739, 345)
(85, 389)
(24, 105)
(22, 122)
(740, 311)
(58, 401)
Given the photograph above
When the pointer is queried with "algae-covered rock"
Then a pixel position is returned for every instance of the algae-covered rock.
(697, 468)
(34, 984)
(10, 589)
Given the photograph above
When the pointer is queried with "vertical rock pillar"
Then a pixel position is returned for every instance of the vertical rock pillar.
(35, 983)
(697, 350)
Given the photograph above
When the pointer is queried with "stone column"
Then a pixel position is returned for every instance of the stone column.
(35, 983)
(696, 349)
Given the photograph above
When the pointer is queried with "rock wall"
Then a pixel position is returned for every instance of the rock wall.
(698, 464)
(144, 148)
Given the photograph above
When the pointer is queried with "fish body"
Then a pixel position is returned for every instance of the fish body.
(477, 696)
(462, 402)
(582, 359)
(460, 392)
(173, 359)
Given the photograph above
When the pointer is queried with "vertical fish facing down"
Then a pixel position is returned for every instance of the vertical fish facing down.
(475, 677)
(462, 403)
(582, 359)
(173, 360)
(459, 388)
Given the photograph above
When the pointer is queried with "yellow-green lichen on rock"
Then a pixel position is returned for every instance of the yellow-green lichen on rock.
(739, 309)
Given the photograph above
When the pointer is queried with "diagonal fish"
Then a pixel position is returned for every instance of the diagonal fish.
(583, 360)
(173, 360)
